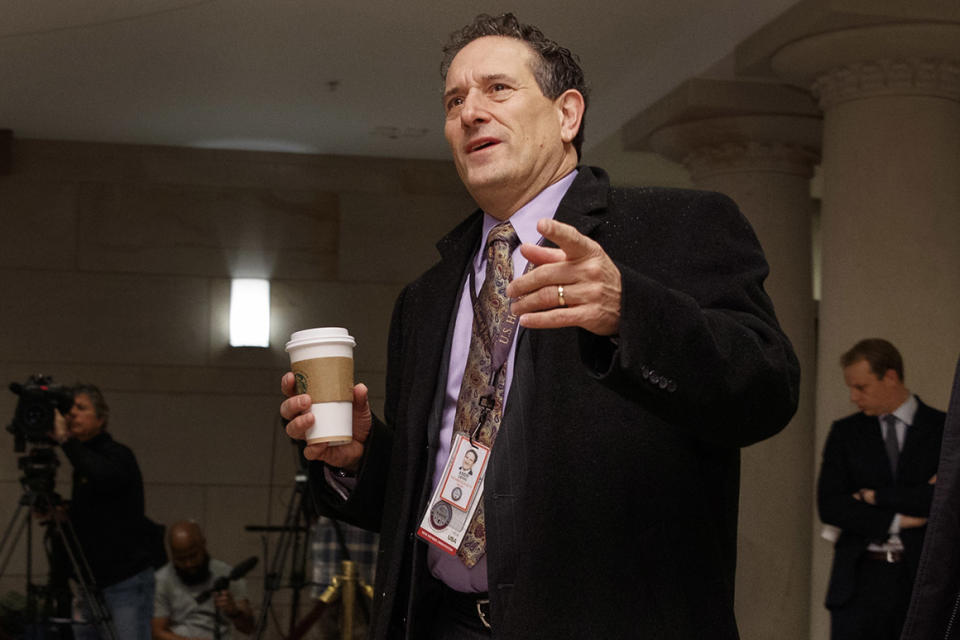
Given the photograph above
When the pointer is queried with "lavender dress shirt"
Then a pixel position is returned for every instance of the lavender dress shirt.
(450, 569)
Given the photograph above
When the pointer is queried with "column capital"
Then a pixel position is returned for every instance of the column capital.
(737, 157)
(716, 126)
(809, 18)
(905, 59)
(910, 76)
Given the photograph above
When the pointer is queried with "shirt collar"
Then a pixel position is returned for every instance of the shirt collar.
(906, 412)
(524, 220)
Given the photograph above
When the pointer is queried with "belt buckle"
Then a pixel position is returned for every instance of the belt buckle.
(481, 603)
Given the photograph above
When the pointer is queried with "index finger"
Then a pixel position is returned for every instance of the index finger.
(287, 384)
(574, 244)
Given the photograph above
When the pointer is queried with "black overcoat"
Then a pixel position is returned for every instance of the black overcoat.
(935, 607)
(611, 494)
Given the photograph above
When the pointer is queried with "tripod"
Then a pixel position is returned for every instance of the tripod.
(294, 533)
(347, 587)
(61, 539)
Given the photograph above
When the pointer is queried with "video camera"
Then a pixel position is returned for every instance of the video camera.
(33, 418)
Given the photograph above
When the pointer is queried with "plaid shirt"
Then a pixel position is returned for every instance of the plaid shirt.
(326, 552)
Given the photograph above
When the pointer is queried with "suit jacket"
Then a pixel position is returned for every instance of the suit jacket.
(855, 458)
(935, 606)
(612, 489)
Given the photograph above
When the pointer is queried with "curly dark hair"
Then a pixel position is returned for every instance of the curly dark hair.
(556, 69)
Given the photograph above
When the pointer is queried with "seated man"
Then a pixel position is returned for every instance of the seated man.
(191, 572)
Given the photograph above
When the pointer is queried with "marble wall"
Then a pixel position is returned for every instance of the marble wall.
(115, 267)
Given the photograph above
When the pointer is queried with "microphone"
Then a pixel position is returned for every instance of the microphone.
(222, 582)
(243, 568)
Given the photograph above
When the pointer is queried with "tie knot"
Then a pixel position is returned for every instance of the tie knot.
(503, 232)
(890, 420)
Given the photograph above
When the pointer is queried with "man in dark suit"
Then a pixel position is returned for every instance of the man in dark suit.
(645, 353)
(876, 484)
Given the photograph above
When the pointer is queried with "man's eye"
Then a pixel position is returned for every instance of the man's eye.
(500, 87)
(454, 103)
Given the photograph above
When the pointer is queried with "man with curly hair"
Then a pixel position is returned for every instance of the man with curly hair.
(610, 387)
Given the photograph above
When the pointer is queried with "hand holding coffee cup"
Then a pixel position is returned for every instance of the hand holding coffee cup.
(298, 407)
(322, 363)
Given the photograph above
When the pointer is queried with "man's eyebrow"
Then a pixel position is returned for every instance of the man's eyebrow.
(492, 77)
(496, 76)
(450, 92)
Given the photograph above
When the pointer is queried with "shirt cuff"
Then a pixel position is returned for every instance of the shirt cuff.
(339, 482)
(895, 525)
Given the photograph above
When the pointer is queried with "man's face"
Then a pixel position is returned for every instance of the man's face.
(872, 395)
(191, 562)
(505, 135)
(82, 420)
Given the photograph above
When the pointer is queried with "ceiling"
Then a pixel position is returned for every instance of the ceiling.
(320, 76)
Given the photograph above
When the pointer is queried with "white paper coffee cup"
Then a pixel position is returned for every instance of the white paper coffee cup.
(322, 363)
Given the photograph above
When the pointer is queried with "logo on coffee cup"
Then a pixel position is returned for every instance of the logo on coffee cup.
(300, 379)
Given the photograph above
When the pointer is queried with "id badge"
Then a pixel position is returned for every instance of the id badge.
(456, 495)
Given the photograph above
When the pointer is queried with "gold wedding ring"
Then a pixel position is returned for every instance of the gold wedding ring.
(563, 302)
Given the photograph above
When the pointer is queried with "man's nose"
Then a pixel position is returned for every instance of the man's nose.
(474, 109)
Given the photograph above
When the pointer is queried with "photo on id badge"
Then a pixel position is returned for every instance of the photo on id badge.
(464, 474)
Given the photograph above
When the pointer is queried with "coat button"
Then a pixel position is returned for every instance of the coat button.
(645, 371)
(654, 378)
(672, 386)
(664, 382)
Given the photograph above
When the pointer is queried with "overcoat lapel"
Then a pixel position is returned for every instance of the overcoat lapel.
(427, 311)
(582, 208)
(506, 475)
(436, 304)
(586, 197)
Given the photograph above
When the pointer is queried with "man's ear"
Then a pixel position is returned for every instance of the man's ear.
(570, 107)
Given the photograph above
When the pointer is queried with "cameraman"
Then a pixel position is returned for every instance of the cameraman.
(107, 512)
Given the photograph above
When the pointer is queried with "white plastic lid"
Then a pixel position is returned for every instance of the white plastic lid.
(320, 335)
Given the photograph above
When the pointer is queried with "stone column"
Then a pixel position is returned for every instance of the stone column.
(890, 95)
(758, 143)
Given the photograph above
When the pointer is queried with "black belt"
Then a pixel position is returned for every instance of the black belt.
(470, 606)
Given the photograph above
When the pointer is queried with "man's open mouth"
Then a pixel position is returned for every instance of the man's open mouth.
(482, 144)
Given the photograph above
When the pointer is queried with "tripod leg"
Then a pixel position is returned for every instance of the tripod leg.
(16, 538)
(98, 610)
(275, 573)
(301, 545)
(308, 621)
